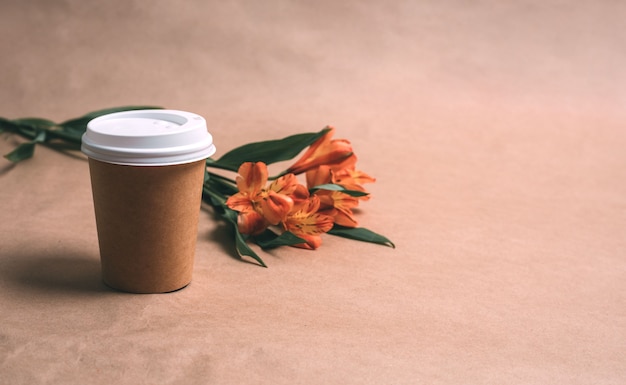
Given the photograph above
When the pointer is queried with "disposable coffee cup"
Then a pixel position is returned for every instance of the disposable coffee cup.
(147, 169)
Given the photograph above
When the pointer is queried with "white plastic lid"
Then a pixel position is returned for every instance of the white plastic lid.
(148, 138)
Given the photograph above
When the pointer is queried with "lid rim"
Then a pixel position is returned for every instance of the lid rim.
(171, 161)
(128, 150)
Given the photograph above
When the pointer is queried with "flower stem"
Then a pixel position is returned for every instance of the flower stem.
(223, 178)
(216, 197)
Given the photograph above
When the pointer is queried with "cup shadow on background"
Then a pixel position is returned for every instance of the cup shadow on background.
(67, 273)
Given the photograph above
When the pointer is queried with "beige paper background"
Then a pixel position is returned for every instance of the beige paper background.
(495, 130)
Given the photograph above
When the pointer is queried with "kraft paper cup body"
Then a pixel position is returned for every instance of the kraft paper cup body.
(147, 193)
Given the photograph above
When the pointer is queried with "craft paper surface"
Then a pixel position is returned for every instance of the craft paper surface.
(495, 131)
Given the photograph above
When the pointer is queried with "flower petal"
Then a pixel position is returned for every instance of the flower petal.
(310, 153)
(251, 222)
(275, 207)
(361, 177)
(308, 221)
(339, 206)
(253, 177)
(312, 242)
(345, 217)
(323, 152)
(300, 197)
(284, 185)
(240, 202)
(318, 176)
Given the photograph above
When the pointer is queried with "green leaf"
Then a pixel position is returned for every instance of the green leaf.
(105, 111)
(26, 150)
(21, 152)
(216, 191)
(270, 240)
(31, 127)
(7, 125)
(211, 194)
(41, 137)
(35, 122)
(360, 234)
(337, 187)
(79, 125)
(70, 136)
(221, 184)
(25, 130)
(244, 250)
(240, 242)
(212, 197)
(268, 152)
(40, 130)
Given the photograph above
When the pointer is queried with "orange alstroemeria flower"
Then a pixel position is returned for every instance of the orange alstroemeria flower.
(353, 180)
(344, 174)
(348, 176)
(308, 224)
(337, 204)
(251, 222)
(258, 206)
(325, 151)
(289, 185)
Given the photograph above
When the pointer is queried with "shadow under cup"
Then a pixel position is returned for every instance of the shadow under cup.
(147, 170)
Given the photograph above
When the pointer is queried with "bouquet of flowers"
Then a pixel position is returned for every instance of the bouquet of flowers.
(270, 211)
